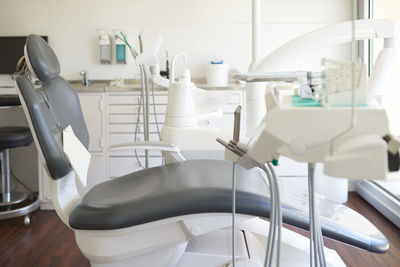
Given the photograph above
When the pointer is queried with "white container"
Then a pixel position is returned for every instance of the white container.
(217, 74)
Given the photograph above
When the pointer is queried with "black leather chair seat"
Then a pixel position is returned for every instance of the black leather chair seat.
(14, 137)
(182, 188)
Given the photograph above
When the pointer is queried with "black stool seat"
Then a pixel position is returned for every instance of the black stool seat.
(9, 100)
(14, 137)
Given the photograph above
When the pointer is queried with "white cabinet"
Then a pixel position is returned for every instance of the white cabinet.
(124, 118)
(92, 108)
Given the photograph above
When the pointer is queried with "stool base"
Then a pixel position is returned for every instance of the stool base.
(22, 208)
(16, 197)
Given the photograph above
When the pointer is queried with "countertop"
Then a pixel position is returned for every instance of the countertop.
(100, 86)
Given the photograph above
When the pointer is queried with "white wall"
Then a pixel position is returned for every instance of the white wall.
(204, 29)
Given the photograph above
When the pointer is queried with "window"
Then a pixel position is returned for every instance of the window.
(389, 9)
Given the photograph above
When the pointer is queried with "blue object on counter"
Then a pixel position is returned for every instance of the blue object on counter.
(297, 101)
(217, 62)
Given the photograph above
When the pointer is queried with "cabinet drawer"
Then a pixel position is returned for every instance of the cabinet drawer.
(160, 98)
(132, 118)
(122, 118)
(130, 128)
(123, 109)
(128, 99)
(134, 109)
(123, 99)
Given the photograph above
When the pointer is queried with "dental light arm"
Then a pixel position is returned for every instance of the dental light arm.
(325, 37)
(331, 35)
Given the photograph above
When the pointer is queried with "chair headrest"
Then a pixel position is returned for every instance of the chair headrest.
(41, 59)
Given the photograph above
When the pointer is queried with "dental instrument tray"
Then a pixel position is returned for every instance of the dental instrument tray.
(284, 76)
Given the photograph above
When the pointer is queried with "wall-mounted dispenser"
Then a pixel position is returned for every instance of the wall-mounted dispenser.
(120, 48)
(105, 47)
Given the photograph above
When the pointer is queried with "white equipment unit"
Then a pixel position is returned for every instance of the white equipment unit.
(294, 51)
(305, 134)
(187, 105)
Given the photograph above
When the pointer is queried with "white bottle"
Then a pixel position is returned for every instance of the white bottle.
(180, 108)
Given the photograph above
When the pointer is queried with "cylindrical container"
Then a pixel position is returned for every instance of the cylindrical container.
(217, 73)
(332, 188)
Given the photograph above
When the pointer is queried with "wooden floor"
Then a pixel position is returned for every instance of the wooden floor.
(48, 242)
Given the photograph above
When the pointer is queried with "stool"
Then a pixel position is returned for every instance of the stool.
(14, 204)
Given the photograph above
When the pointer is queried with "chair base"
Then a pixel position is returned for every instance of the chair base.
(21, 208)
(123, 248)
(166, 257)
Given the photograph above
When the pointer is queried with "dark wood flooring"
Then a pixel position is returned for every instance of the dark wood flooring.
(48, 242)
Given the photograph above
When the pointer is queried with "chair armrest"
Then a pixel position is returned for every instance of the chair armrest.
(174, 151)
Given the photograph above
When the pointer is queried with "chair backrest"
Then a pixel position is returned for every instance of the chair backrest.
(50, 108)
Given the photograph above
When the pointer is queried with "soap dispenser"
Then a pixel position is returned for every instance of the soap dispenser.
(180, 108)
(120, 48)
(105, 46)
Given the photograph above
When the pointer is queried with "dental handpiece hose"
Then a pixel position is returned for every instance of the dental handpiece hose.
(278, 216)
(234, 215)
(317, 255)
(273, 213)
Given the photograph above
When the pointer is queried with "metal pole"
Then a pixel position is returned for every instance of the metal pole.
(234, 215)
(5, 175)
(146, 132)
(145, 93)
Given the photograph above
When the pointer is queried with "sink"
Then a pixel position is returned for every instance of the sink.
(96, 85)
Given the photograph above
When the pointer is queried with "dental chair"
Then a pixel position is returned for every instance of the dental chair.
(144, 218)
(173, 215)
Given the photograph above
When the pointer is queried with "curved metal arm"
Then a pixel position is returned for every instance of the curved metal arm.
(150, 145)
